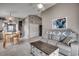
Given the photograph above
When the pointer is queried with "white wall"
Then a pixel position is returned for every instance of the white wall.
(31, 26)
(34, 30)
(61, 10)
(34, 21)
(1, 22)
(26, 28)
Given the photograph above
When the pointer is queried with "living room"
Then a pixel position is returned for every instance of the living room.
(47, 29)
(68, 11)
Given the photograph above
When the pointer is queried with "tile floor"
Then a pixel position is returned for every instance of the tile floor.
(22, 49)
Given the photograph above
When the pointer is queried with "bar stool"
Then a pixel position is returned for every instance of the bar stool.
(16, 37)
(6, 39)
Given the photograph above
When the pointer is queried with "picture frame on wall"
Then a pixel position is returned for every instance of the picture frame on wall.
(59, 23)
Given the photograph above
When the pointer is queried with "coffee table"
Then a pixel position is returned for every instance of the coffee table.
(39, 48)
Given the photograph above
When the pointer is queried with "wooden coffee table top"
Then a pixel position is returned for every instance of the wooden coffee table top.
(45, 47)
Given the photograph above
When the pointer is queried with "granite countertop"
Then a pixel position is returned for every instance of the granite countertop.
(45, 47)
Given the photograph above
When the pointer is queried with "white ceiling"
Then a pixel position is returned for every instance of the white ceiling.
(21, 9)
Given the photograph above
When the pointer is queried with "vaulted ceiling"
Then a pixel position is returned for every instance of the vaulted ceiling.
(21, 9)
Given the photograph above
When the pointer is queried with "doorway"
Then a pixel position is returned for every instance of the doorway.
(20, 27)
(40, 30)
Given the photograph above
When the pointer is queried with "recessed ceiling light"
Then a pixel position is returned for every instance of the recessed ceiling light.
(40, 6)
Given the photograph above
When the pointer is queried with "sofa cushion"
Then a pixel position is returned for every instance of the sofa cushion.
(63, 46)
(56, 37)
(64, 52)
(65, 33)
(53, 42)
(73, 35)
(64, 49)
(62, 38)
(56, 32)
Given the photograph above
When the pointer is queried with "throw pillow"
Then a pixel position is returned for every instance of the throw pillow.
(67, 41)
(62, 37)
(74, 37)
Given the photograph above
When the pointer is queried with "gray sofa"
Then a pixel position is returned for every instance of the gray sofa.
(56, 38)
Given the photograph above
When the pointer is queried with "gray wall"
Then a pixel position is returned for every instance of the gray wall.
(71, 11)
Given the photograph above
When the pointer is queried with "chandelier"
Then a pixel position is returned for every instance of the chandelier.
(10, 17)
